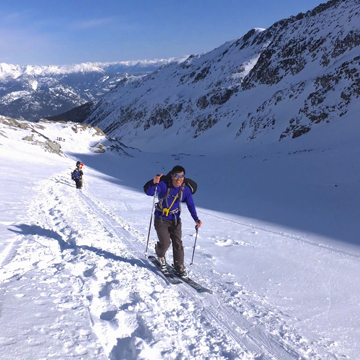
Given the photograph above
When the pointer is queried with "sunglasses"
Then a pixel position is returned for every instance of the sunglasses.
(178, 176)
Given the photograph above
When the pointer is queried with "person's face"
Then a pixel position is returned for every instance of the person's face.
(178, 179)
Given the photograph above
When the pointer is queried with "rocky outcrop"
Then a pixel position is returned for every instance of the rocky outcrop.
(34, 133)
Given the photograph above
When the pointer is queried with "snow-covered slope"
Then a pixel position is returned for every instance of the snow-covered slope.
(300, 74)
(279, 247)
(35, 92)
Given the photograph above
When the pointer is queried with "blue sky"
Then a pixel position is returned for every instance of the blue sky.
(57, 32)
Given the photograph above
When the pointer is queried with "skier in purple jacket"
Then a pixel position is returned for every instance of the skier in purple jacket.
(167, 215)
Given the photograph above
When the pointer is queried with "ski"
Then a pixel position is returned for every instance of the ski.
(169, 276)
(174, 278)
(199, 288)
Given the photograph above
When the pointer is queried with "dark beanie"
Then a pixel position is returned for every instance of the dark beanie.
(178, 169)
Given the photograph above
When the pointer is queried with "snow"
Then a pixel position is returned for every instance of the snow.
(278, 246)
(33, 84)
(15, 71)
(13, 96)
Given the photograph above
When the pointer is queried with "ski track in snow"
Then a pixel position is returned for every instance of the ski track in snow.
(133, 311)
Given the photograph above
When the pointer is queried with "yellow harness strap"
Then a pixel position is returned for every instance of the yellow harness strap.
(166, 210)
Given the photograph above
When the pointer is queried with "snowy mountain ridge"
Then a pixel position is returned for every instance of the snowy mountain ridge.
(35, 92)
(300, 74)
(15, 71)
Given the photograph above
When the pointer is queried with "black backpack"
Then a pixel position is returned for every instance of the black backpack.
(76, 174)
(191, 184)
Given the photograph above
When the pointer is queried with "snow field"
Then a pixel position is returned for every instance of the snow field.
(124, 301)
(75, 282)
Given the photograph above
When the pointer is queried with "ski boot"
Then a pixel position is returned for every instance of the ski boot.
(181, 271)
(162, 262)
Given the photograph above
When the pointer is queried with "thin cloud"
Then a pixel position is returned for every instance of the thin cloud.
(15, 16)
(89, 24)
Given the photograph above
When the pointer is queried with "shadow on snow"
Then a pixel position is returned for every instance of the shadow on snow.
(24, 229)
(290, 190)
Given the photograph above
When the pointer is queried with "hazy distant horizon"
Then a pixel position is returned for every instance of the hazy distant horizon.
(48, 33)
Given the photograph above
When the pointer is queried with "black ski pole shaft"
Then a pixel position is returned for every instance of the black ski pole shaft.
(197, 230)
(151, 217)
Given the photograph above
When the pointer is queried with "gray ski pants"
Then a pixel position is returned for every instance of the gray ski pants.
(168, 231)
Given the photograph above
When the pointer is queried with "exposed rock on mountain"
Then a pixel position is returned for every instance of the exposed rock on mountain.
(80, 136)
(34, 135)
(268, 85)
(37, 133)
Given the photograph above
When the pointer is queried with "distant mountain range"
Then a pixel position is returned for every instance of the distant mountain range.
(35, 92)
(301, 73)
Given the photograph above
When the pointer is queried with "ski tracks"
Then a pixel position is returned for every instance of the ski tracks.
(133, 311)
(245, 318)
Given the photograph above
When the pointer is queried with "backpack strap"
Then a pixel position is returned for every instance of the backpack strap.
(181, 195)
(166, 211)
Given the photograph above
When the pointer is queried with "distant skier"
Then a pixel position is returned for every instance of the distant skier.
(171, 190)
(77, 175)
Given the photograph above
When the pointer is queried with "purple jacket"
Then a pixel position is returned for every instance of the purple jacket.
(162, 191)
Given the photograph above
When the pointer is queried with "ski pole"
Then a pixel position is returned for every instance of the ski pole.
(197, 230)
(151, 217)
